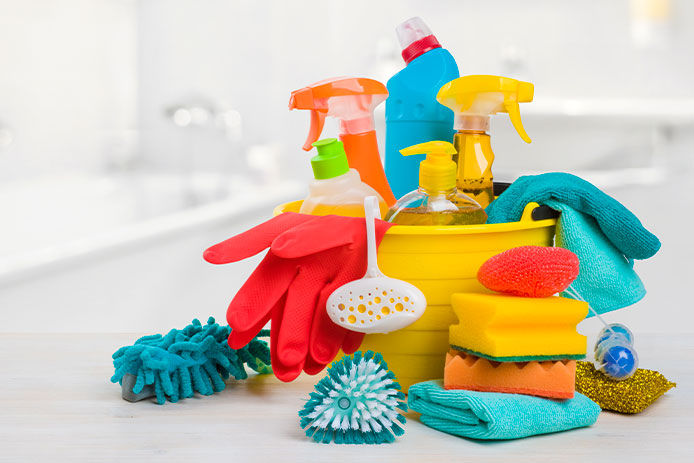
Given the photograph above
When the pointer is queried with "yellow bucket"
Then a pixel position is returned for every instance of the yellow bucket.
(440, 261)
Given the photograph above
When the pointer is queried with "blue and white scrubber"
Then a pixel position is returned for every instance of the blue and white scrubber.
(358, 402)
(194, 359)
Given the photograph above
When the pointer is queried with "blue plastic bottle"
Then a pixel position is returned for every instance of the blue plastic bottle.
(413, 115)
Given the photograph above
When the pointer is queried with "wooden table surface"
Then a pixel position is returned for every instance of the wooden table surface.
(57, 404)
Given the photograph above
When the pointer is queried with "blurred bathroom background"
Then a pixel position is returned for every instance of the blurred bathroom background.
(133, 134)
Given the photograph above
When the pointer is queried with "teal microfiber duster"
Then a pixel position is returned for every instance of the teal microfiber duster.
(194, 359)
(356, 403)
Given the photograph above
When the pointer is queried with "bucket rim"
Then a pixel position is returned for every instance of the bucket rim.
(525, 223)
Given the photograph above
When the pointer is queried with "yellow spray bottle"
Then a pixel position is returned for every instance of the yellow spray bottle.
(436, 201)
(474, 99)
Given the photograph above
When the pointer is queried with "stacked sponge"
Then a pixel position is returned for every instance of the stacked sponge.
(523, 340)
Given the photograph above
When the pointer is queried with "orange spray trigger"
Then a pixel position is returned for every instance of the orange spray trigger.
(317, 123)
(351, 100)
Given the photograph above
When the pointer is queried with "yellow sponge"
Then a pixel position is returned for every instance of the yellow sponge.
(516, 329)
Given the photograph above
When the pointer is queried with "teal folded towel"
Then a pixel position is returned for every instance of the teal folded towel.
(603, 233)
(606, 279)
(497, 416)
(621, 227)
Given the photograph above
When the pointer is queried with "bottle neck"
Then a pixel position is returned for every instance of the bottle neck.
(471, 123)
(432, 192)
(475, 158)
(323, 185)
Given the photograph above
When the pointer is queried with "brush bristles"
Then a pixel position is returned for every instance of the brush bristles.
(358, 402)
(194, 359)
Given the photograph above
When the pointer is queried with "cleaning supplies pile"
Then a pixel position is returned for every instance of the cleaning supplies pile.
(516, 350)
(194, 359)
(607, 238)
(509, 364)
(522, 341)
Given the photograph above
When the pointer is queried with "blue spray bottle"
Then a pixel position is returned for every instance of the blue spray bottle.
(413, 115)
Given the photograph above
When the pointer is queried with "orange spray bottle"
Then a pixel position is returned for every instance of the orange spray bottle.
(351, 100)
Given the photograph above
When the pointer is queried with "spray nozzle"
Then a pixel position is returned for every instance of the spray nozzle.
(474, 99)
(438, 171)
(349, 99)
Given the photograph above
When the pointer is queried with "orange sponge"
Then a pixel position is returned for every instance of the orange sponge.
(529, 271)
(553, 379)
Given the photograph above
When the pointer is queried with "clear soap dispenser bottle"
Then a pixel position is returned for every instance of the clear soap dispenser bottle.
(436, 201)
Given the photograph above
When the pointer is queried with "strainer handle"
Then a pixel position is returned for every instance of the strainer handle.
(370, 210)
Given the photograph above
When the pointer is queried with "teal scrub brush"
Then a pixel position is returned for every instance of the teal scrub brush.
(194, 359)
(358, 402)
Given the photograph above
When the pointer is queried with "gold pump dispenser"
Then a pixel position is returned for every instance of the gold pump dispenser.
(436, 201)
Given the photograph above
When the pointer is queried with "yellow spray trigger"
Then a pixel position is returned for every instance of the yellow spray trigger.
(438, 171)
(483, 96)
(524, 94)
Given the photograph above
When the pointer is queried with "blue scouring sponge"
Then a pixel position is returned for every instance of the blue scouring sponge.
(194, 359)
(356, 403)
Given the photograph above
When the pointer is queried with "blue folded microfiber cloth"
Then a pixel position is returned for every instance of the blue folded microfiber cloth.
(497, 416)
(606, 278)
(617, 222)
(603, 233)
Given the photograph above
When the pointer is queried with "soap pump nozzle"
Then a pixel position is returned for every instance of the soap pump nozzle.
(437, 172)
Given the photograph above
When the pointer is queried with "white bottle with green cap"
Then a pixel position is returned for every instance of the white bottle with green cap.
(337, 189)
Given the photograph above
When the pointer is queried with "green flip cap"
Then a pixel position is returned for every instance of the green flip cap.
(331, 160)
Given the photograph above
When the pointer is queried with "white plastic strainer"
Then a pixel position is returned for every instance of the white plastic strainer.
(375, 303)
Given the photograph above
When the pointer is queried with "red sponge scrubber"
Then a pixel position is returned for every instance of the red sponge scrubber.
(530, 271)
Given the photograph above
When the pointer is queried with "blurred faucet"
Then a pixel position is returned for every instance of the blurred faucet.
(210, 139)
(200, 113)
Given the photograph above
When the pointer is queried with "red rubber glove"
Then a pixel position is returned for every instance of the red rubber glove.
(309, 258)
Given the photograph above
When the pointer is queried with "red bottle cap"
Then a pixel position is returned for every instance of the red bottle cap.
(420, 47)
(415, 38)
